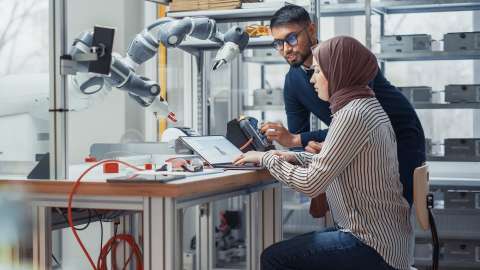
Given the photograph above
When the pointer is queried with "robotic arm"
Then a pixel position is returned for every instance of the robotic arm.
(167, 31)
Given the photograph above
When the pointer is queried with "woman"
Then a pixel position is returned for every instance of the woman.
(357, 168)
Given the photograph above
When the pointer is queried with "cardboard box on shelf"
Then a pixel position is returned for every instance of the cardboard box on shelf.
(191, 5)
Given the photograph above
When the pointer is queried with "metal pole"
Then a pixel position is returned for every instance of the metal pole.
(58, 87)
(382, 34)
(368, 24)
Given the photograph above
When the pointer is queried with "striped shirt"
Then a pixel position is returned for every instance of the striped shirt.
(358, 170)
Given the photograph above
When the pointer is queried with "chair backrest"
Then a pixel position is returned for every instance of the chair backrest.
(420, 191)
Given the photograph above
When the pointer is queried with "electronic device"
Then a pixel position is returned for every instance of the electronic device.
(462, 41)
(462, 199)
(406, 43)
(468, 93)
(172, 135)
(462, 147)
(417, 94)
(461, 250)
(245, 135)
(103, 40)
(217, 151)
(145, 178)
(262, 97)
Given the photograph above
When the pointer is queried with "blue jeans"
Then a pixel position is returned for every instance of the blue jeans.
(326, 250)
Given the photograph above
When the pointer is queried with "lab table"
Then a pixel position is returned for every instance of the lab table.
(162, 205)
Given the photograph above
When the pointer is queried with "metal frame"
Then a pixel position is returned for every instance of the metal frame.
(334, 10)
(162, 224)
(58, 86)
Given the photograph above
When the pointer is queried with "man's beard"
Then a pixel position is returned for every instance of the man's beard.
(300, 61)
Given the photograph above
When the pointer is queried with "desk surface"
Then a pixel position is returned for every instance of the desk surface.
(227, 180)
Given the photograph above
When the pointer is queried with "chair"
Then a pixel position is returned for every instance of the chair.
(423, 202)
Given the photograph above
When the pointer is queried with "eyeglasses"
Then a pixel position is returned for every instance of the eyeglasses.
(291, 39)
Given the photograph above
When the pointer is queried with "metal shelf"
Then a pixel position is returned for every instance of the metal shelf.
(264, 108)
(276, 60)
(426, 56)
(197, 44)
(450, 159)
(449, 235)
(475, 106)
(456, 264)
(399, 7)
(422, 6)
(230, 15)
(331, 10)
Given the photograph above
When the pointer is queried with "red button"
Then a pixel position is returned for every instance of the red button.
(148, 166)
(110, 167)
(90, 159)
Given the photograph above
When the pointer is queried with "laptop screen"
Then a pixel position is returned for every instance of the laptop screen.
(214, 149)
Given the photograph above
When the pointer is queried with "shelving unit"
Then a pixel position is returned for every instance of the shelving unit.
(380, 8)
(333, 10)
(429, 56)
(456, 226)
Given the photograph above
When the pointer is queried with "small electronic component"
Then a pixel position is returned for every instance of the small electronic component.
(457, 93)
(417, 94)
(406, 43)
(462, 41)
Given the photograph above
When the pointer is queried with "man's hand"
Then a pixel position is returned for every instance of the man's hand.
(249, 157)
(314, 147)
(277, 132)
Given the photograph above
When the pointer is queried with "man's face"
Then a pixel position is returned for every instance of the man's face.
(298, 53)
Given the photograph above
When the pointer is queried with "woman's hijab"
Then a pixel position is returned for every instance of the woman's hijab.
(348, 67)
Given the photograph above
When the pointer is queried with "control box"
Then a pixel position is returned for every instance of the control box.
(461, 251)
(462, 41)
(462, 199)
(262, 97)
(457, 93)
(406, 43)
(417, 94)
(462, 148)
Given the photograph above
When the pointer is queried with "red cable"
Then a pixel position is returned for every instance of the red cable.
(111, 246)
(69, 212)
(246, 144)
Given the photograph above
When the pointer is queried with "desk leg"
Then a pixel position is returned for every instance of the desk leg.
(265, 222)
(42, 238)
(162, 228)
(204, 237)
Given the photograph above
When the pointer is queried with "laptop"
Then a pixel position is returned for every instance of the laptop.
(217, 151)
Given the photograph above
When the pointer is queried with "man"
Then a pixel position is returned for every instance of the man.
(294, 34)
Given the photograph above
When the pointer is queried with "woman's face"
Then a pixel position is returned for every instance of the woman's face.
(319, 82)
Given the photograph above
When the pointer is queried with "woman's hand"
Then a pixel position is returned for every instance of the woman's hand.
(287, 156)
(249, 157)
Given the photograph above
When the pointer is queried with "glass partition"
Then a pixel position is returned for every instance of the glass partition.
(24, 89)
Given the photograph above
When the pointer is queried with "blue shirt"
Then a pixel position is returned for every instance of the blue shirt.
(301, 100)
